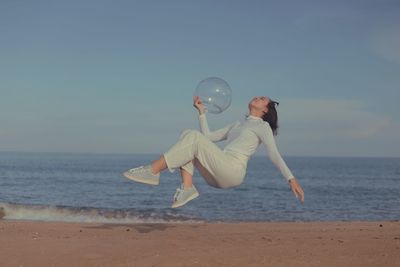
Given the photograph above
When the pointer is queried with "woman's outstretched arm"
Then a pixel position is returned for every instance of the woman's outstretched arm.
(217, 135)
(267, 138)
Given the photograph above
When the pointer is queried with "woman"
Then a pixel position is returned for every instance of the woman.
(222, 168)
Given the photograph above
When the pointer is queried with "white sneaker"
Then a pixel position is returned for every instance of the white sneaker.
(143, 174)
(184, 195)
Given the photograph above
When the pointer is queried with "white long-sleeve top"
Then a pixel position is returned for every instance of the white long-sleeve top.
(244, 138)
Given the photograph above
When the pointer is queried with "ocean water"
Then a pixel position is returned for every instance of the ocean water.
(90, 188)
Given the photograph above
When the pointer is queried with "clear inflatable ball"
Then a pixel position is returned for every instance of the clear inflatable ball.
(215, 93)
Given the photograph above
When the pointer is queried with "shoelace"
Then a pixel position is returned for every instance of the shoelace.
(178, 191)
(136, 169)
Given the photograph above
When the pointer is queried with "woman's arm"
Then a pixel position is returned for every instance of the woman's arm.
(217, 135)
(267, 138)
(214, 136)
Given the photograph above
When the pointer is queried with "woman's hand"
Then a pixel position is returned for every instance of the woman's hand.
(198, 104)
(296, 189)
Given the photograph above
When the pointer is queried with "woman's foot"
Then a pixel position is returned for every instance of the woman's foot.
(143, 174)
(184, 195)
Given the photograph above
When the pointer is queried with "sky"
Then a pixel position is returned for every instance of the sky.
(111, 76)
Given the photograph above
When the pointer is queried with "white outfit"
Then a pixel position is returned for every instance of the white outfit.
(224, 168)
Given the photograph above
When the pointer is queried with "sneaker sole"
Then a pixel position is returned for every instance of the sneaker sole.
(187, 200)
(140, 180)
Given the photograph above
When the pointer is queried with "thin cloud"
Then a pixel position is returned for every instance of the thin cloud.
(345, 118)
(386, 44)
(336, 128)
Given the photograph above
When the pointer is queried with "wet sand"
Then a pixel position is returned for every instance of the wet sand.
(28, 243)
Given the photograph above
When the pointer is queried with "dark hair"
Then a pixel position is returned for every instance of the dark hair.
(272, 116)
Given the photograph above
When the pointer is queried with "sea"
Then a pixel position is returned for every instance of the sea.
(82, 187)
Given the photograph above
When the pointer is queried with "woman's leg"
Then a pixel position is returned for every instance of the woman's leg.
(187, 178)
(158, 165)
(219, 169)
(192, 148)
(150, 174)
(187, 191)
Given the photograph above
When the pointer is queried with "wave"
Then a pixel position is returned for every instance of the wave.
(12, 211)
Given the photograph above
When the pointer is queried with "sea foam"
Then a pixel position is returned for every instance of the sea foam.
(12, 211)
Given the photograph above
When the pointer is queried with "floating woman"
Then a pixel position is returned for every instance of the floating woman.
(221, 168)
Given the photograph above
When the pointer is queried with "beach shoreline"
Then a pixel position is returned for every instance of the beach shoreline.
(35, 243)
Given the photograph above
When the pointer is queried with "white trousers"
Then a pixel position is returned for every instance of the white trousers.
(219, 168)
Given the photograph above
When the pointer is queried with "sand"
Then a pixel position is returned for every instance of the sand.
(28, 243)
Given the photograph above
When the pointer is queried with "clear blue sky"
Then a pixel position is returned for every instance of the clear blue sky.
(118, 76)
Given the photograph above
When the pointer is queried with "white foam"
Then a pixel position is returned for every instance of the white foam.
(51, 213)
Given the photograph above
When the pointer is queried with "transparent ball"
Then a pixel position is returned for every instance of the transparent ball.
(215, 93)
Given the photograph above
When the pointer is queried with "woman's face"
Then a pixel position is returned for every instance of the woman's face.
(259, 103)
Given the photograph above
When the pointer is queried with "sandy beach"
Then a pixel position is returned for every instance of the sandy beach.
(29, 243)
